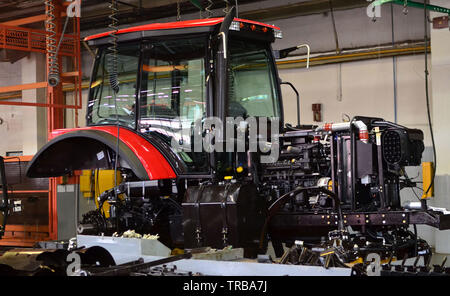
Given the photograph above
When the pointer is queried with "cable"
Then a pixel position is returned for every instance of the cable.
(415, 193)
(114, 83)
(427, 94)
(336, 39)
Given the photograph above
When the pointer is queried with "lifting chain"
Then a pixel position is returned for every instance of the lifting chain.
(209, 13)
(112, 49)
(50, 27)
(405, 7)
(52, 49)
(227, 6)
(178, 11)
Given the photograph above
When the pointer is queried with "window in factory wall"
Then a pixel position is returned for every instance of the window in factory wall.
(102, 109)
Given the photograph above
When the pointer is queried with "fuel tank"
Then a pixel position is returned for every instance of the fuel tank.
(222, 215)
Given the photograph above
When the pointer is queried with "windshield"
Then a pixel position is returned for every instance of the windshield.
(251, 80)
(104, 104)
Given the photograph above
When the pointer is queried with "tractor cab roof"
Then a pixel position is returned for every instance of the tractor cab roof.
(174, 27)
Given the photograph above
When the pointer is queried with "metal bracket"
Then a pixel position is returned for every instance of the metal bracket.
(413, 4)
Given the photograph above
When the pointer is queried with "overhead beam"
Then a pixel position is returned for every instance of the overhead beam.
(28, 20)
(12, 88)
(301, 9)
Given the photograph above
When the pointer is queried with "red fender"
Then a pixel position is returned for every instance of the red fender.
(153, 162)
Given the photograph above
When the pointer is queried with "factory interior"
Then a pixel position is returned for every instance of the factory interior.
(225, 138)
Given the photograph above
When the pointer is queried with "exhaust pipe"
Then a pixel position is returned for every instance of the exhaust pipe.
(343, 126)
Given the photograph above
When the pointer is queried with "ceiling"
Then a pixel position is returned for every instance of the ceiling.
(95, 12)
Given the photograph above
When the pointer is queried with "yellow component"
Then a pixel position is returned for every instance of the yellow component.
(378, 136)
(385, 261)
(96, 83)
(359, 260)
(326, 253)
(177, 251)
(228, 177)
(104, 180)
(427, 177)
(239, 169)
(86, 184)
(293, 160)
(330, 185)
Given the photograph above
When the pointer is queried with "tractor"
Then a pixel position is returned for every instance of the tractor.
(189, 115)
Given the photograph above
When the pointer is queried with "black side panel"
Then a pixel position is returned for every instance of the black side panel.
(221, 215)
(84, 149)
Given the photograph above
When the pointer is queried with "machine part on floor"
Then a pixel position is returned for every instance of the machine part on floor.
(415, 269)
(165, 271)
(338, 250)
(225, 254)
(333, 186)
(38, 262)
(135, 246)
(128, 268)
(124, 254)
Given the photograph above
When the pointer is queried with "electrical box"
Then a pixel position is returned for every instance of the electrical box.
(427, 178)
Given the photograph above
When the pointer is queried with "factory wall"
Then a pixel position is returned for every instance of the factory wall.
(360, 88)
